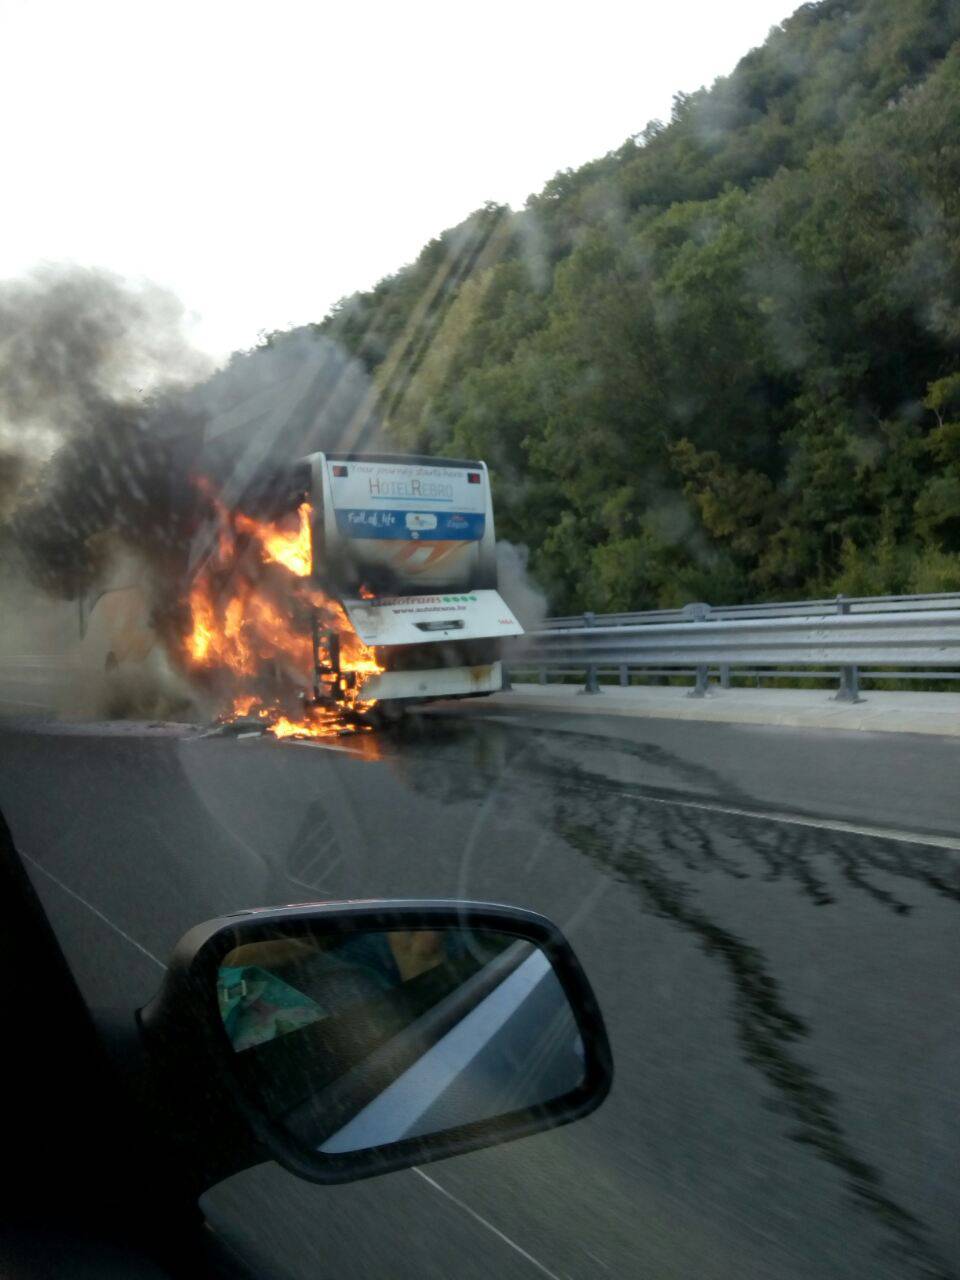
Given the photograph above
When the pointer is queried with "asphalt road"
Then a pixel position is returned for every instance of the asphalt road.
(780, 989)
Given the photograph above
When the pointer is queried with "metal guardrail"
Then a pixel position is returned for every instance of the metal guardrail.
(898, 632)
(786, 609)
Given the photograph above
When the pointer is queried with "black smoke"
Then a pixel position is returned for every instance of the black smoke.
(91, 375)
(109, 418)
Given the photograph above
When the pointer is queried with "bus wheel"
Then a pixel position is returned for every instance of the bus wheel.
(385, 714)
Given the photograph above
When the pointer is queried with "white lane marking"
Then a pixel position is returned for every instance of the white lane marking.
(794, 819)
(16, 702)
(317, 746)
(90, 907)
(489, 1225)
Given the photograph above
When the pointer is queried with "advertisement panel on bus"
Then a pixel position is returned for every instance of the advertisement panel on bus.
(423, 523)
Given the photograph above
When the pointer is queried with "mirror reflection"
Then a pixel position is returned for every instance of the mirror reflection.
(356, 1039)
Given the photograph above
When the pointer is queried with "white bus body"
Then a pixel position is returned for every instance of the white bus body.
(407, 544)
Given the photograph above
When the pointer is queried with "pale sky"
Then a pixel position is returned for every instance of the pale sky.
(264, 159)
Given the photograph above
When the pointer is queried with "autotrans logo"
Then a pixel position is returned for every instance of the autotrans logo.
(384, 602)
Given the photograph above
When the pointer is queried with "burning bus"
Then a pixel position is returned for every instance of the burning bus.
(408, 546)
(345, 582)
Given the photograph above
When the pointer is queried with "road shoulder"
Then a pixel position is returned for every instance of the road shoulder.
(878, 712)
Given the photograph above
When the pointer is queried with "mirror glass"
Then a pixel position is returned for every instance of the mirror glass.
(353, 1040)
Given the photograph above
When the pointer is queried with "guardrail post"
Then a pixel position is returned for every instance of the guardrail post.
(593, 684)
(702, 686)
(724, 675)
(849, 690)
(506, 686)
(542, 675)
(699, 612)
(624, 675)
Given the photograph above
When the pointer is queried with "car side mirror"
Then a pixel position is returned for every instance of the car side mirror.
(351, 1039)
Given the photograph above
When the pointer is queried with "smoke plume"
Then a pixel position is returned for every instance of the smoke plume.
(525, 598)
(115, 439)
(86, 367)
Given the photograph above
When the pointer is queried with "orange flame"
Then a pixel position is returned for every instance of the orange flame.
(279, 546)
(250, 629)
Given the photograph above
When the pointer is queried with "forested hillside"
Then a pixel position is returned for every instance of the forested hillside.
(721, 362)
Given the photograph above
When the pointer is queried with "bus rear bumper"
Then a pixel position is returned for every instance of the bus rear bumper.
(443, 682)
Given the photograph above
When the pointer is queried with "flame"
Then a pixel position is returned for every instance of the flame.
(201, 636)
(279, 546)
(249, 637)
(281, 727)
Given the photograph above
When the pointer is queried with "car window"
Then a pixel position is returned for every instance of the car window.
(510, 456)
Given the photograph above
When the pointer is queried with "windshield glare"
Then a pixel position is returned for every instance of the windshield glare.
(508, 456)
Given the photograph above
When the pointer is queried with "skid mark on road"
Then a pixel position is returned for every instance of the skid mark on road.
(770, 1034)
(744, 805)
